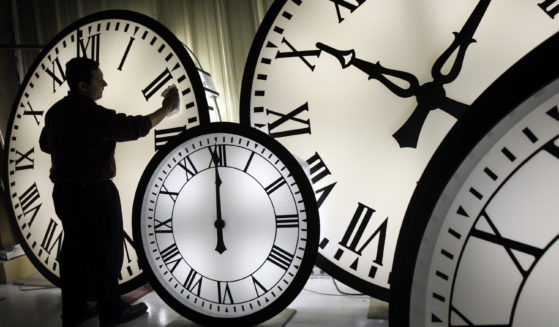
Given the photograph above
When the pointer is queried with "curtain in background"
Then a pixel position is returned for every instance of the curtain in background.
(219, 32)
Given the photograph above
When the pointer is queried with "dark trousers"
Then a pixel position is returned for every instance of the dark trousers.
(92, 251)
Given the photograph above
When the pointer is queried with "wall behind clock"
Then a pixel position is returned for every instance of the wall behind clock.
(219, 32)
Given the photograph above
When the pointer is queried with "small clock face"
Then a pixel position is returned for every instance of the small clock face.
(489, 253)
(139, 58)
(228, 224)
(365, 91)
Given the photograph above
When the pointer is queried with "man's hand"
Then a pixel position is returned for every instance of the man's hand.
(171, 98)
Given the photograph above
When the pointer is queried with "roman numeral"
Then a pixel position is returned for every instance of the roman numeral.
(319, 170)
(354, 236)
(300, 54)
(258, 287)
(347, 5)
(495, 237)
(31, 112)
(224, 294)
(193, 280)
(218, 156)
(56, 73)
(287, 221)
(163, 226)
(172, 195)
(280, 257)
(30, 202)
(24, 160)
(171, 256)
(188, 167)
(275, 185)
(550, 7)
(89, 49)
(52, 238)
(128, 245)
(285, 120)
(162, 136)
(160, 81)
(249, 161)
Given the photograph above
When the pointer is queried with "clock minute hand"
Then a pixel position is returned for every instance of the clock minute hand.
(461, 42)
(219, 223)
(432, 95)
(347, 58)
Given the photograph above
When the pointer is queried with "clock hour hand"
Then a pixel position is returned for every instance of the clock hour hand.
(219, 223)
(347, 58)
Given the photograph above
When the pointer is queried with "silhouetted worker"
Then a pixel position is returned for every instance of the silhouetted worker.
(81, 136)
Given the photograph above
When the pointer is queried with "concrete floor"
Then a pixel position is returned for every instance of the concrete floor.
(321, 303)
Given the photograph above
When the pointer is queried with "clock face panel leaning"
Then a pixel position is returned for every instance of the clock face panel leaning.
(482, 233)
(365, 91)
(228, 225)
(139, 58)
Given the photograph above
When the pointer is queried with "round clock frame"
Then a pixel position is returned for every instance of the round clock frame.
(228, 225)
(457, 222)
(365, 91)
(139, 58)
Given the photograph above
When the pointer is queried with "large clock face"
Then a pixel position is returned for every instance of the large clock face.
(482, 241)
(139, 58)
(364, 91)
(228, 224)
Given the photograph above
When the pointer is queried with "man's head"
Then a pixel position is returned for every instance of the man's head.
(84, 77)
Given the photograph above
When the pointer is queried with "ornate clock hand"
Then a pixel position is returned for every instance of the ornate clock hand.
(432, 95)
(461, 42)
(429, 96)
(374, 70)
(219, 223)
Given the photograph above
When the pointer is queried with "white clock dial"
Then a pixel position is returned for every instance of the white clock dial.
(139, 58)
(228, 224)
(482, 241)
(365, 91)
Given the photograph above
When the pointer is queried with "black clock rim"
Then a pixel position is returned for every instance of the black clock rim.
(322, 262)
(526, 77)
(197, 88)
(313, 224)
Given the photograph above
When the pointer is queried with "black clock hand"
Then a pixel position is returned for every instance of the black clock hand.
(429, 96)
(219, 224)
(432, 95)
(461, 42)
(374, 70)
